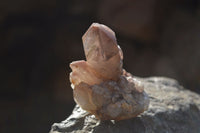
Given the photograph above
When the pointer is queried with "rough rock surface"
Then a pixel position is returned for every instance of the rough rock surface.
(172, 110)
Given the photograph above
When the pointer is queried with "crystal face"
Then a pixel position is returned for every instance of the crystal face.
(100, 85)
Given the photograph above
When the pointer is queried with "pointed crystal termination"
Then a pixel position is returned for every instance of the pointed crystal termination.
(102, 52)
(100, 85)
(82, 72)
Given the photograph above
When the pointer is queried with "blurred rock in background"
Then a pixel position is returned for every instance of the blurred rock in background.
(40, 38)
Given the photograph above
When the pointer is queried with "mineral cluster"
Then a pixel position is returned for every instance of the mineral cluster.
(100, 85)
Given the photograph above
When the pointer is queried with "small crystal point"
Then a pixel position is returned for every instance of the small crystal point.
(82, 72)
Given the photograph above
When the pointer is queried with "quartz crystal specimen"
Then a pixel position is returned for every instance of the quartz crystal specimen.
(100, 85)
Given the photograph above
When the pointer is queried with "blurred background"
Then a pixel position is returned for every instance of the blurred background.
(38, 40)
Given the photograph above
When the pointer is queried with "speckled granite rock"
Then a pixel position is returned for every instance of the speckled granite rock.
(172, 110)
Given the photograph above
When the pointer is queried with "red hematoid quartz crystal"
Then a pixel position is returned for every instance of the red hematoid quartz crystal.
(100, 85)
